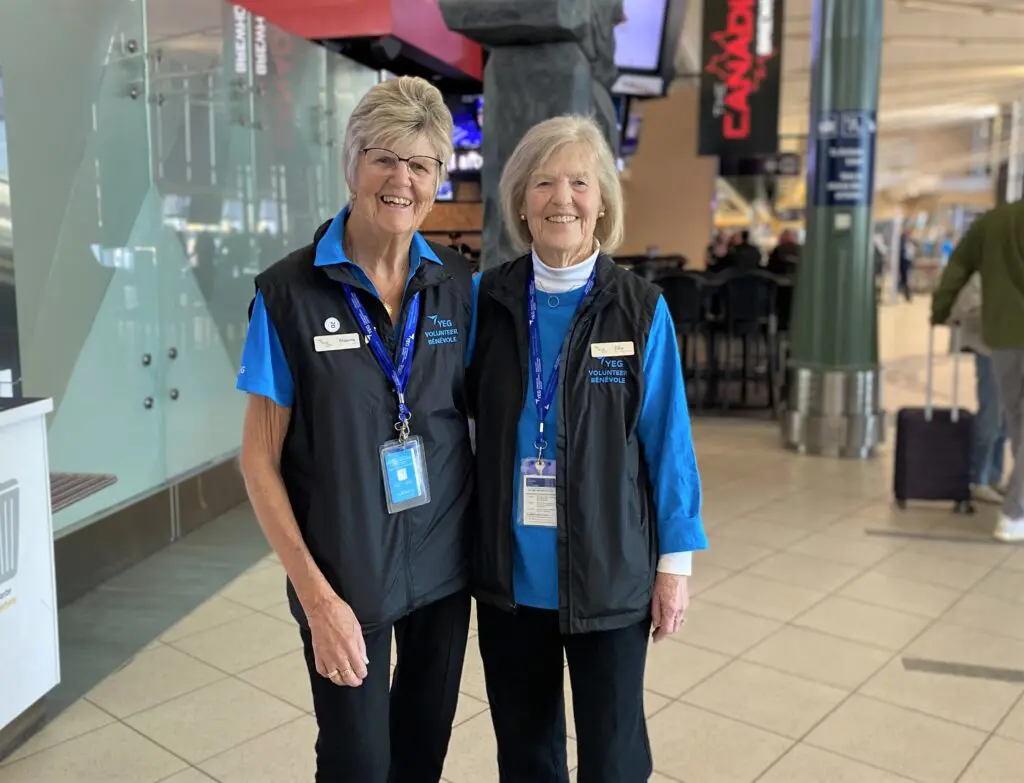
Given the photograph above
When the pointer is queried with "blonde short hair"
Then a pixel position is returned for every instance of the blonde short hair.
(535, 148)
(395, 111)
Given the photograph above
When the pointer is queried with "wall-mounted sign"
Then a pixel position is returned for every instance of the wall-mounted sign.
(740, 77)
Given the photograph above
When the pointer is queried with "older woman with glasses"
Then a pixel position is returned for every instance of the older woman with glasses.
(356, 452)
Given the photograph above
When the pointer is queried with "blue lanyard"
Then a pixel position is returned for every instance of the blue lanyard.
(399, 375)
(544, 394)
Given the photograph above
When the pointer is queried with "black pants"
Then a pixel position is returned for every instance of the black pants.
(522, 657)
(373, 734)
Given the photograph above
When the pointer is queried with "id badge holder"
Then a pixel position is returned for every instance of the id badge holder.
(404, 467)
(537, 499)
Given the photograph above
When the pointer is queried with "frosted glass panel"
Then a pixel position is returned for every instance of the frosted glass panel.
(160, 156)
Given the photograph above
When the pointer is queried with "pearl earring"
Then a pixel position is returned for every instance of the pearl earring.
(522, 217)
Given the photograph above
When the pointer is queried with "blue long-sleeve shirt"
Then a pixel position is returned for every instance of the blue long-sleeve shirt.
(665, 437)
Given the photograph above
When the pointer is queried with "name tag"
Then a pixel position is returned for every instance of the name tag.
(600, 350)
(337, 342)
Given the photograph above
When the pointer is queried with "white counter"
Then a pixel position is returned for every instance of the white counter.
(29, 651)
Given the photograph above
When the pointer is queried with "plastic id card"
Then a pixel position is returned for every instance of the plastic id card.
(537, 506)
(404, 466)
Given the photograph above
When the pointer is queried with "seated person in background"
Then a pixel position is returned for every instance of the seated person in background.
(988, 442)
(743, 256)
(784, 258)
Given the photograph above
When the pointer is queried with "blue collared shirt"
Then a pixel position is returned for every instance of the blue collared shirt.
(264, 368)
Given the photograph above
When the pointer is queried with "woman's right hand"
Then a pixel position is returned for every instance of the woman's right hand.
(338, 645)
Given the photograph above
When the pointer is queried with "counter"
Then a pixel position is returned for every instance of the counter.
(29, 652)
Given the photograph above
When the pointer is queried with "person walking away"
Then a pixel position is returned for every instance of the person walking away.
(988, 439)
(994, 248)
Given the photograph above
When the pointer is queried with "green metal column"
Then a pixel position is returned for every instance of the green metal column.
(834, 378)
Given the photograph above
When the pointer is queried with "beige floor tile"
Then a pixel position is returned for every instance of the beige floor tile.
(259, 588)
(694, 745)
(753, 530)
(1000, 760)
(918, 567)
(899, 740)
(468, 707)
(675, 667)
(209, 721)
(862, 622)
(1015, 562)
(804, 764)
(264, 639)
(993, 615)
(210, 614)
(705, 576)
(813, 573)
(947, 642)
(820, 657)
(286, 677)
(112, 754)
(855, 550)
(283, 755)
(78, 719)
(984, 553)
(968, 700)
(151, 678)
(780, 703)
(281, 611)
(1003, 583)
(730, 554)
(810, 516)
(903, 595)
(724, 630)
(1013, 726)
(763, 597)
(190, 775)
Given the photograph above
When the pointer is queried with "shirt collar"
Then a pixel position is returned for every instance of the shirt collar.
(559, 280)
(330, 249)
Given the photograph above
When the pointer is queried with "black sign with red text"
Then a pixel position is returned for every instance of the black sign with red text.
(741, 71)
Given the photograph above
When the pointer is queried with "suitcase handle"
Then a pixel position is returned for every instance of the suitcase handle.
(930, 380)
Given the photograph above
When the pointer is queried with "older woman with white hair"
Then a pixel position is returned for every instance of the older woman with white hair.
(589, 494)
(356, 453)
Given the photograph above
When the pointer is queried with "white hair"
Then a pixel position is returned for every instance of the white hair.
(534, 150)
(395, 111)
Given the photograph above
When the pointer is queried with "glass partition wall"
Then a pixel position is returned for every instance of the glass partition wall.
(161, 154)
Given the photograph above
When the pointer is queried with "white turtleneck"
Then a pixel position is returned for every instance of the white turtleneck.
(559, 279)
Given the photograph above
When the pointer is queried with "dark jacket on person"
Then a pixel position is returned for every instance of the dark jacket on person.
(607, 530)
(345, 409)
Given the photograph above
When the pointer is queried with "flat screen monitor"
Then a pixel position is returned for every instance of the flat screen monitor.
(638, 40)
(468, 121)
(645, 46)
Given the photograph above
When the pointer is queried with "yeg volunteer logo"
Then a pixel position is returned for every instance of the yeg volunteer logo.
(609, 371)
(444, 331)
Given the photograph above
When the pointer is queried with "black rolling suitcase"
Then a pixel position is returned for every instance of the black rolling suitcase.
(933, 445)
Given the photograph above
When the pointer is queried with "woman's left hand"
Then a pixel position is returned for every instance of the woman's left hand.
(669, 604)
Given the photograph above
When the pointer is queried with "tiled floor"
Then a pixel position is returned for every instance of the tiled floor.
(790, 669)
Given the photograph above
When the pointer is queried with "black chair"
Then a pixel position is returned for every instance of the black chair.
(684, 296)
(748, 316)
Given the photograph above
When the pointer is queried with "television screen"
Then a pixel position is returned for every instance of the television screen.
(467, 116)
(638, 39)
(446, 192)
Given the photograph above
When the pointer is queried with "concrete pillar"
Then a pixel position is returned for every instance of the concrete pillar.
(547, 58)
(834, 405)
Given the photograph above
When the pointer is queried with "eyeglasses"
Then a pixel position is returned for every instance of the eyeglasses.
(420, 166)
